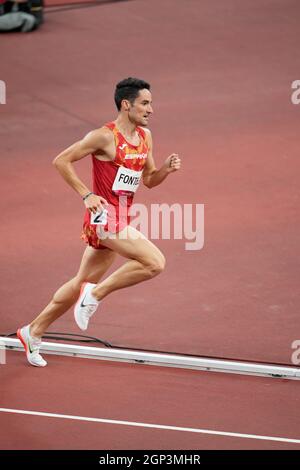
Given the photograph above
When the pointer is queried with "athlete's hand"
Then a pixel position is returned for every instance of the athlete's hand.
(173, 163)
(95, 203)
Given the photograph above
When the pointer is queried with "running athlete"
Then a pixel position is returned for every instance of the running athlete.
(122, 155)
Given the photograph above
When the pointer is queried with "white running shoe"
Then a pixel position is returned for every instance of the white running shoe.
(32, 347)
(86, 305)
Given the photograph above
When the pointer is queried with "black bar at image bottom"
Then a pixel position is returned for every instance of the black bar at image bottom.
(133, 459)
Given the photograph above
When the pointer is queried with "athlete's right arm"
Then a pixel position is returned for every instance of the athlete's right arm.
(94, 141)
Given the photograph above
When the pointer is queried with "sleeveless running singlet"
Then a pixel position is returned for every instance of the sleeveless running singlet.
(116, 181)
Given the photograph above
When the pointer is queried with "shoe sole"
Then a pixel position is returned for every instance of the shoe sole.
(19, 335)
(77, 303)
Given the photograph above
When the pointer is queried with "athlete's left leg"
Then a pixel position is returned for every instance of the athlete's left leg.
(94, 265)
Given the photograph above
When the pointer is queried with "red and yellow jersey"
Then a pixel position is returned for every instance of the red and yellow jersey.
(117, 178)
(127, 156)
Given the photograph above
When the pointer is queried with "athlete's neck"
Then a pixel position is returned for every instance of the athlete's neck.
(127, 128)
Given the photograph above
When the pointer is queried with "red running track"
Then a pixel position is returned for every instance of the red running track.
(221, 74)
(142, 394)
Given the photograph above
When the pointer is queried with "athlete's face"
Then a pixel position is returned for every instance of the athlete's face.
(139, 112)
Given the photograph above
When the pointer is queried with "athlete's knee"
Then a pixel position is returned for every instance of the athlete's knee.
(76, 282)
(155, 265)
(80, 278)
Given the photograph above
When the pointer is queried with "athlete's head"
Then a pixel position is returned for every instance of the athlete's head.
(133, 97)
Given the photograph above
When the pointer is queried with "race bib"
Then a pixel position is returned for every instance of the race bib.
(127, 180)
(100, 218)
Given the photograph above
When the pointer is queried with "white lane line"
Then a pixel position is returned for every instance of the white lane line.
(153, 426)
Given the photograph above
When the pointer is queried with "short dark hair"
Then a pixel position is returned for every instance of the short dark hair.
(128, 89)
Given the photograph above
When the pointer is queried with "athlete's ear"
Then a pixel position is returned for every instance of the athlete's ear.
(126, 105)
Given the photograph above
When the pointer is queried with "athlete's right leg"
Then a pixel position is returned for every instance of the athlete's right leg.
(144, 261)
(93, 266)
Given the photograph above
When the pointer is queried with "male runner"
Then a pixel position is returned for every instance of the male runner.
(122, 155)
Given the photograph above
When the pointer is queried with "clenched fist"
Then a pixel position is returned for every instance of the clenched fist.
(173, 163)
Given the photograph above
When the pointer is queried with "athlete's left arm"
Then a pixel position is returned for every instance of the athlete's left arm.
(151, 175)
